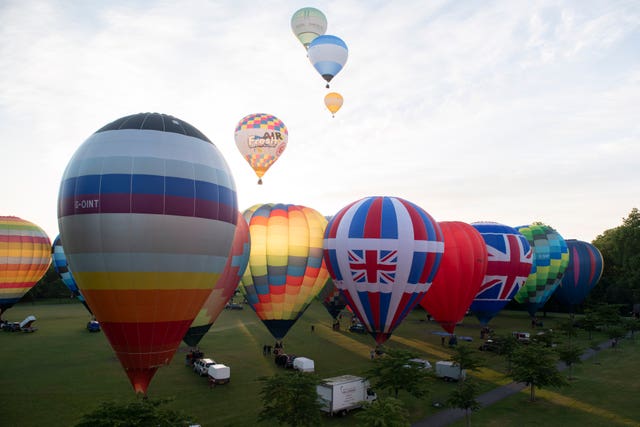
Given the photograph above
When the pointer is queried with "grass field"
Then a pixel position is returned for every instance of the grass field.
(53, 376)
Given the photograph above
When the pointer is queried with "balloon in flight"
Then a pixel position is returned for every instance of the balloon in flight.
(261, 139)
(462, 269)
(25, 256)
(307, 24)
(383, 253)
(61, 266)
(225, 287)
(550, 260)
(328, 54)
(333, 102)
(509, 264)
(147, 209)
(286, 270)
(582, 274)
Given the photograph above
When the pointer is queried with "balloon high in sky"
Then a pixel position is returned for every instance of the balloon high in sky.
(286, 270)
(25, 256)
(328, 54)
(261, 139)
(508, 266)
(550, 260)
(382, 253)
(459, 276)
(147, 209)
(307, 24)
(333, 102)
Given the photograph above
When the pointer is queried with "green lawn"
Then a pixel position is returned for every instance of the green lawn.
(54, 375)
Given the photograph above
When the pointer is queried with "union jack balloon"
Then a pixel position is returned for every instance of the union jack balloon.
(508, 266)
(382, 253)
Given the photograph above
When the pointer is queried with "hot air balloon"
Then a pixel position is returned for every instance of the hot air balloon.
(24, 258)
(328, 54)
(382, 253)
(285, 270)
(509, 264)
(147, 209)
(582, 274)
(307, 24)
(226, 286)
(332, 299)
(61, 266)
(462, 269)
(333, 101)
(261, 139)
(550, 260)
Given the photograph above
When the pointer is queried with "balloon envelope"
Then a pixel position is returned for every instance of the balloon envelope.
(225, 287)
(333, 101)
(328, 54)
(61, 266)
(462, 269)
(24, 258)
(286, 270)
(582, 274)
(261, 139)
(307, 24)
(332, 299)
(508, 266)
(382, 253)
(550, 260)
(148, 210)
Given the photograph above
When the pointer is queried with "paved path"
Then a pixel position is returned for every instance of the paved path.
(449, 416)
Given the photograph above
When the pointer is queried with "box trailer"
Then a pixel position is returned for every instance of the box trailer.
(449, 371)
(219, 374)
(344, 393)
(303, 364)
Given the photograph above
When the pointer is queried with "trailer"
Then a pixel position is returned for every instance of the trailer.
(339, 395)
(449, 371)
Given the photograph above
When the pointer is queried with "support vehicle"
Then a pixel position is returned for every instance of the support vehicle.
(339, 395)
(219, 374)
(448, 371)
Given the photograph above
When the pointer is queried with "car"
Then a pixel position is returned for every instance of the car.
(201, 366)
(233, 306)
(358, 328)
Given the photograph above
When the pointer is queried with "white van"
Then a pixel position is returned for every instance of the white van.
(219, 374)
(303, 364)
(201, 366)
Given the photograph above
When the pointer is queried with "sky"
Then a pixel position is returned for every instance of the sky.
(505, 111)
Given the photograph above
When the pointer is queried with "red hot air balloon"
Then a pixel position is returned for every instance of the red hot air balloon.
(461, 273)
(382, 253)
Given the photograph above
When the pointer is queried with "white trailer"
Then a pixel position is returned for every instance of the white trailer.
(344, 393)
(449, 371)
(303, 364)
(219, 374)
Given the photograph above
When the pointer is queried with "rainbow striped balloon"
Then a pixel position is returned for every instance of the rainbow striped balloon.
(286, 270)
(24, 258)
(148, 211)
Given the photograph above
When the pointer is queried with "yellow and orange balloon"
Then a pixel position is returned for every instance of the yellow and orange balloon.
(333, 102)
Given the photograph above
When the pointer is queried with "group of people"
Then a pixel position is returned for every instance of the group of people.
(276, 349)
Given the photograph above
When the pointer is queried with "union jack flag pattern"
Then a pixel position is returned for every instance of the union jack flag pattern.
(509, 264)
(382, 253)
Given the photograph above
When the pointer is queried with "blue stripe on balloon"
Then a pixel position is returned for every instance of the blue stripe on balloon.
(417, 267)
(363, 296)
(356, 228)
(389, 220)
(333, 261)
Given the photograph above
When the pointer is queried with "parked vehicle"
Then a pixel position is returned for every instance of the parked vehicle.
(424, 364)
(358, 328)
(201, 366)
(339, 395)
(219, 374)
(93, 326)
(449, 371)
(303, 364)
(523, 337)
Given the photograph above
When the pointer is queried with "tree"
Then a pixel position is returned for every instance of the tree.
(383, 412)
(140, 413)
(568, 329)
(570, 354)
(396, 371)
(615, 333)
(466, 358)
(632, 325)
(464, 397)
(535, 364)
(507, 344)
(290, 399)
(589, 322)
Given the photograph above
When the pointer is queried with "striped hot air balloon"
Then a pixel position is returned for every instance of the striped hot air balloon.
(61, 266)
(307, 24)
(383, 253)
(147, 209)
(328, 55)
(286, 270)
(582, 274)
(24, 258)
(226, 286)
